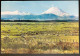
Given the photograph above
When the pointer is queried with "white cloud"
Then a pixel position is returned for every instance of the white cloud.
(77, 15)
(14, 13)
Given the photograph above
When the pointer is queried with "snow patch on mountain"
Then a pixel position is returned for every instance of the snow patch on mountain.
(14, 13)
(56, 11)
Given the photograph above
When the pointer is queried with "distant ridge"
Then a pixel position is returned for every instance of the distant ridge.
(52, 13)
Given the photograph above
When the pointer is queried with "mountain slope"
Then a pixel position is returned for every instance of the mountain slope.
(56, 11)
(37, 17)
(30, 17)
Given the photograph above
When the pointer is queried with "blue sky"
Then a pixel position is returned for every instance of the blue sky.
(37, 7)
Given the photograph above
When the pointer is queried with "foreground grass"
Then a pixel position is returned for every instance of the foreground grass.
(34, 37)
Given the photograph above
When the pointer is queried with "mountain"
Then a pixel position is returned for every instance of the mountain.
(30, 17)
(15, 13)
(52, 13)
(56, 11)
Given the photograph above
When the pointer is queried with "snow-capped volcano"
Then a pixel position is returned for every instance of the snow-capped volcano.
(15, 13)
(56, 11)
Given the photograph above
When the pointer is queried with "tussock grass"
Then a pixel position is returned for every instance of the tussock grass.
(40, 38)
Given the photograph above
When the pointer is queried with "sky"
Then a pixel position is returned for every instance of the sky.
(38, 7)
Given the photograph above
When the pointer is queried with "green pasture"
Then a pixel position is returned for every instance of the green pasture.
(51, 30)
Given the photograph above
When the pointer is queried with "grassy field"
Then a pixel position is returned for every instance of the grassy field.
(40, 37)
